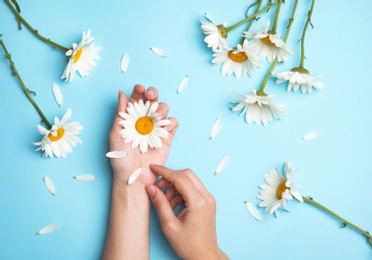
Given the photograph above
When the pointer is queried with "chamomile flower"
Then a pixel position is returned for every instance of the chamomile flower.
(298, 78)
(215, 34)
(143, 126)
(258, 107)
(279, 189)
(60, 139)
(269, 45)
(82, 57)
(241, 61)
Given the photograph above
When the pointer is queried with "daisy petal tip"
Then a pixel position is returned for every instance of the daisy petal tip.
(116, 154)
(133, 177)
(222, 164)
(216, 128)
(159, 52)
(311, 135)
(47, 229)
(183, 84)
(124, 63)
(253, 211)
(84, 178)
(49, 184)
(57, 94)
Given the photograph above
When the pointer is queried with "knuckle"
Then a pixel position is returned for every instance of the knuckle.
(169, 227)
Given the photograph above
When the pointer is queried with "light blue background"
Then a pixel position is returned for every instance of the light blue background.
(334, 168)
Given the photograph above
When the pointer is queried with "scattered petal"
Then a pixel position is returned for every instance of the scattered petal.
(84, 178)
(116, 154)
(216, 127)
(183, 84)
(159, 52)
(134, 176)
(311, 135)
(222, 164)
(47, 229)
(50, 185)
(124, 63)
(253, 210)
(57, 94)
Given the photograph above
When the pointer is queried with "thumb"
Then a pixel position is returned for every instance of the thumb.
(161, 204)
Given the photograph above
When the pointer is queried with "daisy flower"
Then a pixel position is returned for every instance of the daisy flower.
(269, 45)
(258, 107)
(279, 189)
(298, 77)
(143, 126)
(60, 139)
(82, 57)
(242, 60)
(215, 34)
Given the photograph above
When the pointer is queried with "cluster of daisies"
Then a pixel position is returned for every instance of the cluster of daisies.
(254, 48)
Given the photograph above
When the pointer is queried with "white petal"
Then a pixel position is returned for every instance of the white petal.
(124, 63)
(159, 52)
(311, 135)
(57, 94)
(84, 177)
(183, 84)
(117, 154)
(134, 175)
(47, 229)
(50, 185)
(216, 127)
(222, 164)
(253, 211)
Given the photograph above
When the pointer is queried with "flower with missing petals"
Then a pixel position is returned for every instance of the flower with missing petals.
(241, 61)
(82, 57)
(60, 139)
(269, 45)
(298, 78)
(143, 126)
(258, 107)
(215, 34)
(279, 189)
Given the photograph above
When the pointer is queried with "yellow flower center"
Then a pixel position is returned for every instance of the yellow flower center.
(78, 54)
(267, 41)
(238, 56)
(60, 133)
(280, 190)
(144, 125)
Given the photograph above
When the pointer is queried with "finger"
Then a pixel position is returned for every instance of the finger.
(175, 201)
(161, 204)
(122, 106)
(151, 94)
(182, 184)
(171, 192)
(162, 183)
(162, 110)
(194, 179)
(137, 93)
(172, 127)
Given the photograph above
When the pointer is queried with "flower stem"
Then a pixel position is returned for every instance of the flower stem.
(258, 3)
(277, 11)
(344, 221)
(308, 21)
(32, 30)
(25, 89)
(232, 27)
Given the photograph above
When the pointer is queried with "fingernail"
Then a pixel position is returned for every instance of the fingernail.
(150, 93)
(151, 191)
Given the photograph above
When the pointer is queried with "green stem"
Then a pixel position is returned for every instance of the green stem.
(32, 30)
(275, 24)
(25, 89)
(344, 221)
(232, 27)
(261, 91)
(258, 3)
(308, 21)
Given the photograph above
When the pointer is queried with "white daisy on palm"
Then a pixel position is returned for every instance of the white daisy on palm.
(82, 57)
(269, 45)
(258, 107)
(143, 126)
(215, 34)
(240, 61)
(298, 78)
(279, 189)
(59, 140)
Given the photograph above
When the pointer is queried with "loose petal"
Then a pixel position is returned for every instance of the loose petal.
(183, 84)
(311, 135)
(134, 176)
(47, 229)
(57, 94)
(124, 63)
(159, 52)
(223, 163)
(50, 185)
(84, 178)
(216, 127)
(253, 210)
(116, 154)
